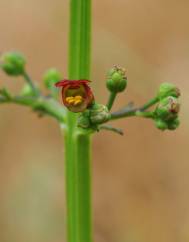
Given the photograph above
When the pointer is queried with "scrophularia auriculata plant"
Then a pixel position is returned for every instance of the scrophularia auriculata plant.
(80, 115)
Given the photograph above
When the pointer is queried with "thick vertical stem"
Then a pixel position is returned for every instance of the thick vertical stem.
(77, 144)
(83, 181)
(70, 184)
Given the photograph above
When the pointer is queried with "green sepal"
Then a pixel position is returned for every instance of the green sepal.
(160, 124)
(84, 120)
(173, 124)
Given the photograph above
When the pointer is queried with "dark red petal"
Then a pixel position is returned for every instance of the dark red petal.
(89, 94)
(83, 81)
(72, 83)
(62, 83)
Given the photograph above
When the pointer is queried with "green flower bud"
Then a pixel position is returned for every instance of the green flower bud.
(13, 63)
(116, 80)
(27, 91)
(84, 120)
(168, 89)
(168, 108)
(99, 114)
(173, 124)
(51, 77)
(5, 93)
(160, 124)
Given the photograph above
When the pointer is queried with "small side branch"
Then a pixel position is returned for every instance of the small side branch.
(130, 111)
(110, 128)
(44, 105)
(31, 83)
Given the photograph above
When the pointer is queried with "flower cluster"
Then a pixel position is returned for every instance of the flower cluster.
(78, 97)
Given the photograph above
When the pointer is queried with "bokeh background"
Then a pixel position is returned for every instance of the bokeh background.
(141, 180)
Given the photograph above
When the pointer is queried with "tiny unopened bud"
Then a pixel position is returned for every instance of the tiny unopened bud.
(5, 93)
(27, 91)
(51, 77)
(168, 89)
(99, 114)
(116, 80)
(13, 63)
(168, 108)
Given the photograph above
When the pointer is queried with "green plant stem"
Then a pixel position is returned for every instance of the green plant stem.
(83, 181)
(149, 104)
(144, 114)
(110, 128)
(30, 82)
(45, 105)
(77, 145)
(130, 111)
(111, 100)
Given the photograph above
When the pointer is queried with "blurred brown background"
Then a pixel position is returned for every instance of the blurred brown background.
(140, 181)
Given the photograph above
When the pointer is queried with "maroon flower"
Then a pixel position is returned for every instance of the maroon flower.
(76, 94)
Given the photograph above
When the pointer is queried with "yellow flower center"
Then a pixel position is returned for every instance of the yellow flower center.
(74, 100)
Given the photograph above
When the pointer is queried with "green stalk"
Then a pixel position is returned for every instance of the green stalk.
(30, 82)
(77, 144)
(111, 100)
(83, 181)
(149, 103)
(130, 111)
